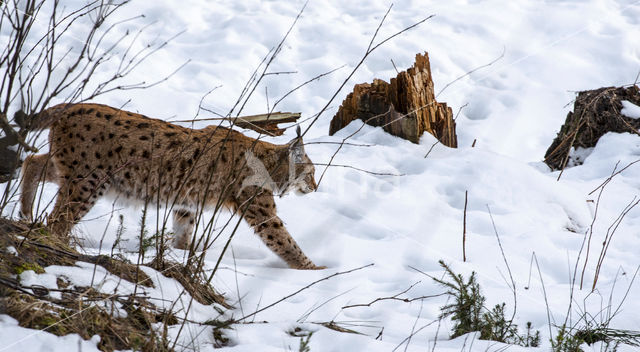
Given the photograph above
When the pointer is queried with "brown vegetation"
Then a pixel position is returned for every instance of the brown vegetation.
(84, 310)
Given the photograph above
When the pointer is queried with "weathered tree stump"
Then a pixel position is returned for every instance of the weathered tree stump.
(9, 160)
(406, 107)
(595, 112)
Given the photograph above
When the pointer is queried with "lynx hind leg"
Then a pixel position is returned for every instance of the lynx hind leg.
(260, 213)
(183, 223)
(35, 169)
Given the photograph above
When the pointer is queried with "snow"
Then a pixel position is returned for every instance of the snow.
(630, 109)
(401, 224)
(17, 338)
(12, 250)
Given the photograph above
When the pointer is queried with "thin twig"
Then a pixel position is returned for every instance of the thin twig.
(593, 221)
(359, 169)
(394, 298)
(613, 174)
(544, 291)
(472, 71)
(413, 328)
(346, 143)
(624, 298)
(413, 334)
(394, 66)
(464, 228)
(504, 257)
(302, 289)
(609, 236)
(310, 311)
(438, 140)
(435, 339)
(280, 73)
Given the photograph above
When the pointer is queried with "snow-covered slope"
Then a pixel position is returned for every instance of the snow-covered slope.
(404, 222)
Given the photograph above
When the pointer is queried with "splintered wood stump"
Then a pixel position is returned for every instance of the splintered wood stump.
(406, 107)
(595, 112)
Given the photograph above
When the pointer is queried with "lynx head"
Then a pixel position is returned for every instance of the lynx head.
(301, 170)
(291, 171)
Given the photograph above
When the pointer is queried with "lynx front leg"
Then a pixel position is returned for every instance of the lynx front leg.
(183, 223)
(260, 213)
(35, 169)
(75, 198)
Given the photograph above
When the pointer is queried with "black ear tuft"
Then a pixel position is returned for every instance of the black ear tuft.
(298, 132)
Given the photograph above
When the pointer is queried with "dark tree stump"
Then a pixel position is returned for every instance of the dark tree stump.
(9, 158)
(406, 107)
(595, 112)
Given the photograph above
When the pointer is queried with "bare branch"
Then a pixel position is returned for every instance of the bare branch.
(472, 71)
(394, 298)
(302, 289)
(359, 169)
(613, 174)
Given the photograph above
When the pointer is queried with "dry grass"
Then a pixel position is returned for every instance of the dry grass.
(39, 249)
(116, 333)
(121, 321)
(192, 281)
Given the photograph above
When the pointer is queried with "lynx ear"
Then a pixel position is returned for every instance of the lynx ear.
(297, 140)
(296, 148)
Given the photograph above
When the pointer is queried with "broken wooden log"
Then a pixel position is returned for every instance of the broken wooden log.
(406, 107)
(262, 123)
(595, 112)
(267, 123)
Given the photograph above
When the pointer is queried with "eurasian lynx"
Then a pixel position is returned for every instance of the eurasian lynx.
(97, 150)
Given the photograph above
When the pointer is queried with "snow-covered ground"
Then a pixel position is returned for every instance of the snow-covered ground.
(404, 224)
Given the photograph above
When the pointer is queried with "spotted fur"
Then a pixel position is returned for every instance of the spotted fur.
(97, 150)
